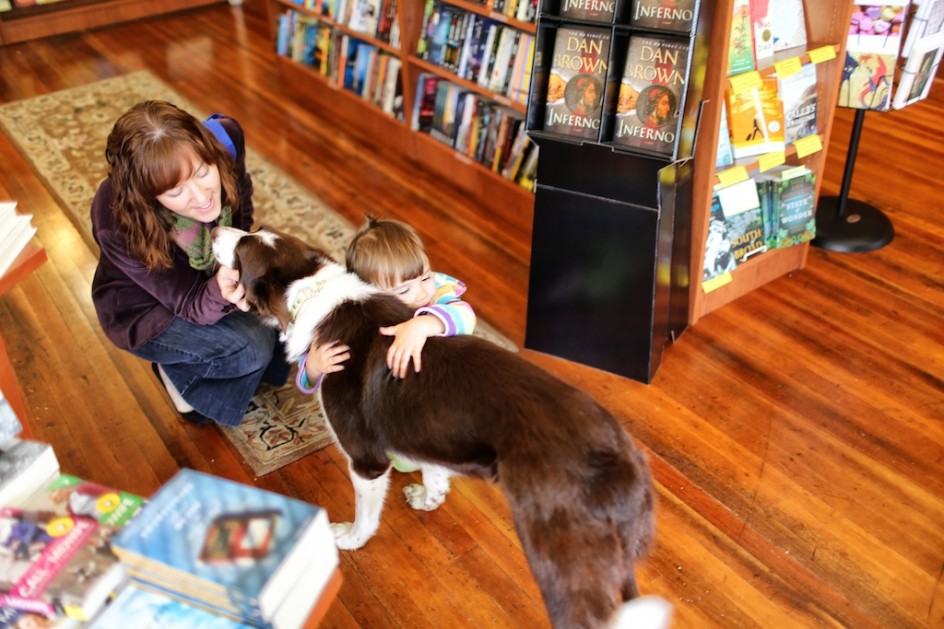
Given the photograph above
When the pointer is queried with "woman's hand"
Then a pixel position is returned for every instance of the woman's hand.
(231, 289)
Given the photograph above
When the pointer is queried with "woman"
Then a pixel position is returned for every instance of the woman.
(158, 292)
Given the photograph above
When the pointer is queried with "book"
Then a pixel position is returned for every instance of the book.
(788, 23)
(725, 155)
(651, 95)
(668, 15)
(424, 106)
(719, 258)
(10, 425)
(927, 20)
(741, 42)
(795, 196)
(576, 82)
(136, 606)
(237, 549)
(762, 32)
(799, 98)
(871, 55)
(742, 216)
(25, 467)
(755, 119)
(69, 495)
(54, 564)
(919, 71)
(16, 231)
(588, 10)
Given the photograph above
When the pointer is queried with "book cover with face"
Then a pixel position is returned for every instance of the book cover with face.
(577, 81)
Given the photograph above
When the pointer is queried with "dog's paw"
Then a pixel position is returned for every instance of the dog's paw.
(344, 537)
(418, 498)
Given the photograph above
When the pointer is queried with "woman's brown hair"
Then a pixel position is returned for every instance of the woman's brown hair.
(147, 152)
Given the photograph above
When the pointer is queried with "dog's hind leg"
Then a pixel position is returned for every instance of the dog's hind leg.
(432, 492)
(369, 495)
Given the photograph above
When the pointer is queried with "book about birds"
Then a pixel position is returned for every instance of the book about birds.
(576, 82)
(651, 94)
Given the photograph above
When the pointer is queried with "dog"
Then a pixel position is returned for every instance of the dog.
(580, 491)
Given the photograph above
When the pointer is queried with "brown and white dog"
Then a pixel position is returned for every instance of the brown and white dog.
(580, 491)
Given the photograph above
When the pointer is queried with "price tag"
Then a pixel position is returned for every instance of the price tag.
(744, 82)
(788, 67)
(769, 160)
(738, 198)
(808, 145)
(824, 53)
(731, 176)
(716, 282)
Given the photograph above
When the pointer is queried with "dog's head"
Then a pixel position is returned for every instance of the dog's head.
(268, 261)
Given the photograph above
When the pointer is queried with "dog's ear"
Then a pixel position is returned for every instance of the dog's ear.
(263, 298)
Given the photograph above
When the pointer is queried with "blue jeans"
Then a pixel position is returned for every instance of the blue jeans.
(217, 368)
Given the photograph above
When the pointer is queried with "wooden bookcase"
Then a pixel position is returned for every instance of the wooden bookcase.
(827, 23)
(66, 16)
(480, 182)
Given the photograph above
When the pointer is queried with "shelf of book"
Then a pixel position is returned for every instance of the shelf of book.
(479, 175)
(826, 25)
(66, 16)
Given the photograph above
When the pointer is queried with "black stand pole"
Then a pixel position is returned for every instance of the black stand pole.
(848, 225)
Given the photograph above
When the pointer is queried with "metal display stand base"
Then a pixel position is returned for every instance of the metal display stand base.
(858, 229)
(847, 225)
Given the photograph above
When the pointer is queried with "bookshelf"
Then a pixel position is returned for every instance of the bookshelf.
(66, 16)
(30, 259)
(397, 133)
(619, 238)
(827, 23)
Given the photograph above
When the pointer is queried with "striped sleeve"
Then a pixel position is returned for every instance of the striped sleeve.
(456, 315)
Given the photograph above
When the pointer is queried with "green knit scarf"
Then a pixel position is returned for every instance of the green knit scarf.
(194, 238)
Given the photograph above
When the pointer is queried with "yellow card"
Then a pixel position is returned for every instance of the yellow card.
(744, 82)
(788, 67)
(716, 282)
(824, 53)
(769, 160)
(731, 176)
(808, 145)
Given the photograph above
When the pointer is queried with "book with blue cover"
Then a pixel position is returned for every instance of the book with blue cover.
(138, 607)
(238, 548)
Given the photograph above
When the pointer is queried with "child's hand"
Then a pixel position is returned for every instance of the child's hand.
(410, 338)
(325, 358)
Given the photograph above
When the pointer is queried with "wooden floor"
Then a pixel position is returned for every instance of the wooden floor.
(796, 434)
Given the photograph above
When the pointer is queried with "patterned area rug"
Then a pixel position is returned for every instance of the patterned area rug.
(63, 135)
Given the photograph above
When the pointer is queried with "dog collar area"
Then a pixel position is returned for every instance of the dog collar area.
(304, 294)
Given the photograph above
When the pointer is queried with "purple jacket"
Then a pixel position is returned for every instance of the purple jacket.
(134, 305)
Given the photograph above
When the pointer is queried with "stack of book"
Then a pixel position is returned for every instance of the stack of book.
(202, 552)
(773, 209)
(16, 230)
(55, 559)
(238, 551)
